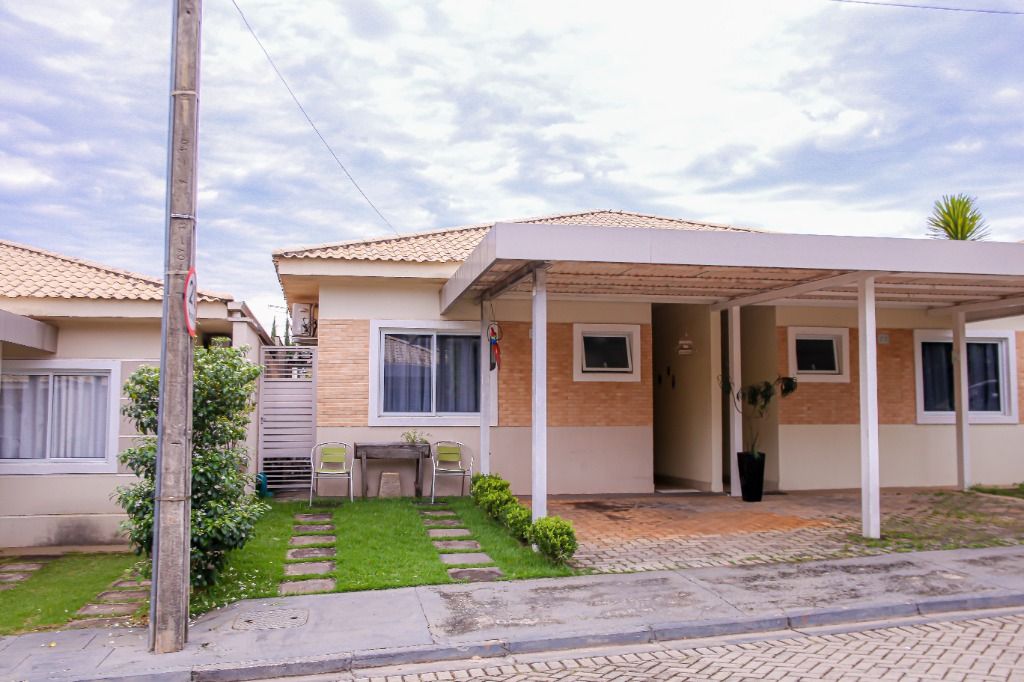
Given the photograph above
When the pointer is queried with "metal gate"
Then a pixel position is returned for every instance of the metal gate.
(287, 415)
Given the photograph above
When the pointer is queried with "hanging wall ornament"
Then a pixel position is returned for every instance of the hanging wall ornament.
(494, 337)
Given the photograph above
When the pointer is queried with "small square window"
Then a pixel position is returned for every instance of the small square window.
(819, 354)
(606, 353)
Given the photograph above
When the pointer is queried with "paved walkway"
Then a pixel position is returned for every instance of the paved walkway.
(358, 630)
(658, 532)
(977, 649)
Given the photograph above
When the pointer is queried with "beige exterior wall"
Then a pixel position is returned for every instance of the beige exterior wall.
(758, 364)
(687, 404)
(77, 509)
(599, 430)
(818, 433)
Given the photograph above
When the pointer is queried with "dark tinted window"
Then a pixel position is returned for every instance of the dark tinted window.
(816, 355)
(606, 354)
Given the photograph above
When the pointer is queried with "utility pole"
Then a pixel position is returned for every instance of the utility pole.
(168, 610)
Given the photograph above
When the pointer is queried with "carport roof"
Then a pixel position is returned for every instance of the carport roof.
(724, 269)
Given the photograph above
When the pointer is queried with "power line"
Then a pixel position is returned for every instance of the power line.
(935, 7)
(308, 119)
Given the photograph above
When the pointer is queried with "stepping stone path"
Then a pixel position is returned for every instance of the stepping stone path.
(442, 524)
(19, 570)
(297, 571)
(113, 607)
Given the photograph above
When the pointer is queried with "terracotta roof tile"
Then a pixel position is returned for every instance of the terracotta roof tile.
(456, 243)
(30, 272)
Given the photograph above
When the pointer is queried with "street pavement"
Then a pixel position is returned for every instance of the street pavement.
(980, 646)
(339, 633)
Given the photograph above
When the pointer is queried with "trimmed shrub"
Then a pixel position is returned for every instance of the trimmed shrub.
(555, 538)
(495, 502)
(518, 521)
(483, 484)
(224, 515)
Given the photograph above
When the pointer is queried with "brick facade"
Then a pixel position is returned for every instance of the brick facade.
(570, 403)
(343, 373)
(839, 403)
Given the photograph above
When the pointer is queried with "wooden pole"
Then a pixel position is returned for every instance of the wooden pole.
(169, 599)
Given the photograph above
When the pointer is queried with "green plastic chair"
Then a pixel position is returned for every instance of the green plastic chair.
(331, 460)
(449, 460)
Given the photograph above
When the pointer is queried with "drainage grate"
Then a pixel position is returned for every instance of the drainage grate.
(272, 620)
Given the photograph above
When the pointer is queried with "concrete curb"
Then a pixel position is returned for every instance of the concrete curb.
(661, 632)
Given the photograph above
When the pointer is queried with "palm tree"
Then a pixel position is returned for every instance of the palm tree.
(957, 217)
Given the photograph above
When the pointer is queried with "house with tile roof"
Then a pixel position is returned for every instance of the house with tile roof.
(71, 332)
(617, 330)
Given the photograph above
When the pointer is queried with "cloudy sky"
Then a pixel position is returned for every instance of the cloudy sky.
(804, 116)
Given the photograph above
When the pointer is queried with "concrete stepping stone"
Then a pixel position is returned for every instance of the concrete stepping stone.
(123, 596)
(466, 558)
(19, 568)
(316, 518)
(132, 582)
(301, 540)
(13, 577)
(114, 621)
(442, 523)
(313, 527)
(448, 533)
(438, 513)
(309, 568)
(456, 544)
(307, 586)
(108, 609)
(310, 553)
(475, 575)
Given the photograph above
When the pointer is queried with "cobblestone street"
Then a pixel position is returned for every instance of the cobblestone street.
(984, 648)
(655, 532)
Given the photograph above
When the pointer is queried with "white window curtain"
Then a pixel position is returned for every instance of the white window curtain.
(408, 372)
(24, 404)
(458, 373)
(55, 416)
(79, 416)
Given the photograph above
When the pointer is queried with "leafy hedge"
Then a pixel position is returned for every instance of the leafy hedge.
(553, 536)
(224, 513)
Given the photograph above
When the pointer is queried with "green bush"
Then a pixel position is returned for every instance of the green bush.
(495, 502)
(555, 538)
(224, 514)
(518, 520)
(483, 484)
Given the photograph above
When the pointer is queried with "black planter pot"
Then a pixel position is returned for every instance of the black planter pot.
(751, 465)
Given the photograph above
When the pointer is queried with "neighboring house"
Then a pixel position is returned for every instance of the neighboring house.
(638, 312)
(71, 332)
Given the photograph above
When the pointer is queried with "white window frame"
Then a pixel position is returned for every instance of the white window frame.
(377, 416)
(1008, 376)
(631, 331)
(73, 465)
(840, 337)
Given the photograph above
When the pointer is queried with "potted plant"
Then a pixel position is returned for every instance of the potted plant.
(753, 401)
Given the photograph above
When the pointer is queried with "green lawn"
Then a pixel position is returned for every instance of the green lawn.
(1015, 491)
(52, 595)
(380, 544)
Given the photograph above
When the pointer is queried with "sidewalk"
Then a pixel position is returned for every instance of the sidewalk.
(337, 632)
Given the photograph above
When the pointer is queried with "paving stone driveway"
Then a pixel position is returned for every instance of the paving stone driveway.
(655, 532)
(978, 649)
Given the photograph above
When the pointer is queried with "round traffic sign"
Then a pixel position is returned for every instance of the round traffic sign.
(191, 302)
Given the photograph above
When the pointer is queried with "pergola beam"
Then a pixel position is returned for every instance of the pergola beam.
(794, 290)
(511, 280)
(979, 306)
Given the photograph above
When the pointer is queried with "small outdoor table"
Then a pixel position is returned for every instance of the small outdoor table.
(392, 450)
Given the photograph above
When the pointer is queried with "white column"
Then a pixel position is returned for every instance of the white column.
(871, 515)
(735, 407)
(485, 392)
(961, 397)
(539, 424)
